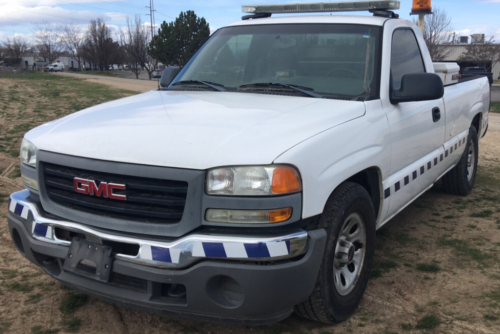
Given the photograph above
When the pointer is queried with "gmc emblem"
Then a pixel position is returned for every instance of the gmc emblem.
(89, 187)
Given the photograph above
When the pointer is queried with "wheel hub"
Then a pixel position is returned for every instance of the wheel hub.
(345, 252)
(349, 254)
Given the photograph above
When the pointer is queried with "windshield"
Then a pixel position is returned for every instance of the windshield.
(332, 60)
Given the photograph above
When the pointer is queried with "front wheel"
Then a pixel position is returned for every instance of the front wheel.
(349, 220)
(461, 179)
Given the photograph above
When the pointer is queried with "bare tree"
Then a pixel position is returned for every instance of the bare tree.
(438, 33)
(483, 54)
(135, 41)
(47, 42)
(72, 40)
(16, 47)
(99, 47)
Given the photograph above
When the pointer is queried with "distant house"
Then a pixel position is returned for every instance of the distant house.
(27, 61)
(69, 62)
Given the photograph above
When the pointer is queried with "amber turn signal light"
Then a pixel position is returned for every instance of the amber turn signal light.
(421, 7)
(248, 216)
(285, 180)
(278, 216)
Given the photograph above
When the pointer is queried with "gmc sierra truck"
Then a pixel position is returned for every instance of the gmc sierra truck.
(252, 182)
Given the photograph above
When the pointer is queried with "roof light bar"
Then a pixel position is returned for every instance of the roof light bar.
(320, 7)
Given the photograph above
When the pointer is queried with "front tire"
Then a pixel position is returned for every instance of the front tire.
(349, 220)
(461, 179)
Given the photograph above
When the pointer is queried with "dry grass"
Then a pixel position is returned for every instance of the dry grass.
(437, 265)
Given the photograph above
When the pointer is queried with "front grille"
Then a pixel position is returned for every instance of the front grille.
(148, 200)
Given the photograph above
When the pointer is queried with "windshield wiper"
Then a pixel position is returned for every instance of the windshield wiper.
(304, 90)
(213, 85)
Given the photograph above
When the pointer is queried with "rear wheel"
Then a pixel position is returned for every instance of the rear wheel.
(461, 179)
(349, 220)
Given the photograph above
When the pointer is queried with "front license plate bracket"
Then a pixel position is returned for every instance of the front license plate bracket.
(84, 254)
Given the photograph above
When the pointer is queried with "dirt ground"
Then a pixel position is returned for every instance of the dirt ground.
(437, 269)
(119, 83)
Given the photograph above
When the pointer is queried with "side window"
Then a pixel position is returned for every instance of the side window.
(405, 56)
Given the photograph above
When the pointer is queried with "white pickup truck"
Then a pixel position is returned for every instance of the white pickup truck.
(55, 67)
(252, 183)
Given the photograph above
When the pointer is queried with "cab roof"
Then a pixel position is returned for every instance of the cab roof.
(341, 19)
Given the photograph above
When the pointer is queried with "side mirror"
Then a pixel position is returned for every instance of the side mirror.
(418, 87)
(169, 75)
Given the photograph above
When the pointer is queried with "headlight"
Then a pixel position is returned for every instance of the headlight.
(253, 181)
(28, 153)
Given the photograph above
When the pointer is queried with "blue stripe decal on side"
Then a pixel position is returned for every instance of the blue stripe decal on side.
(41, 230)
(257, 250)
(161, 254)
(19, 209)
(214, 249)
(397, 185)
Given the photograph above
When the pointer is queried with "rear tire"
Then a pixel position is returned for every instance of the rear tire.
(461, 179)
(349, 220)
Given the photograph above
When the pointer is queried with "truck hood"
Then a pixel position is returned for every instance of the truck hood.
(195, 130)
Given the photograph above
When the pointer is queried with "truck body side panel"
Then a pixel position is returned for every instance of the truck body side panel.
(331, 157)
(463, 101)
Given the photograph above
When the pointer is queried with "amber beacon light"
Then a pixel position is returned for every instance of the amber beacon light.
(421, 7)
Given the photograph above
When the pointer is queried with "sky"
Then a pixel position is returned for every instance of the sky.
(20, 17)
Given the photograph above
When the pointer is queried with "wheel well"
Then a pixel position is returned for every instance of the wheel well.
(476, 122)
(370, 180)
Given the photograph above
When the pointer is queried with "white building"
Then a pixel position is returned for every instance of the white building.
(68, 62)
(458, 50)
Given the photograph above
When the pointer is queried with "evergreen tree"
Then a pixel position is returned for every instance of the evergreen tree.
(176, 42)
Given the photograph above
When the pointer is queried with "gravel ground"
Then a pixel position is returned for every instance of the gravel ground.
(495, 93)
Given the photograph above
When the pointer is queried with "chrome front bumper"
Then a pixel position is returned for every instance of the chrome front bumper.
(179, 253)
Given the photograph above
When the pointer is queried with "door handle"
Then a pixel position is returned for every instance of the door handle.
(436, 114)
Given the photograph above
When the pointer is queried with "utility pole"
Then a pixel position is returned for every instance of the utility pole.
(152, 62)
(152, 16)
(421, 8)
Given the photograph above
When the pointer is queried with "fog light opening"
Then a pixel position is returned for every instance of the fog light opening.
(225, 291)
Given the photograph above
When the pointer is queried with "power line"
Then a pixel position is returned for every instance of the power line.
(165, 15)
